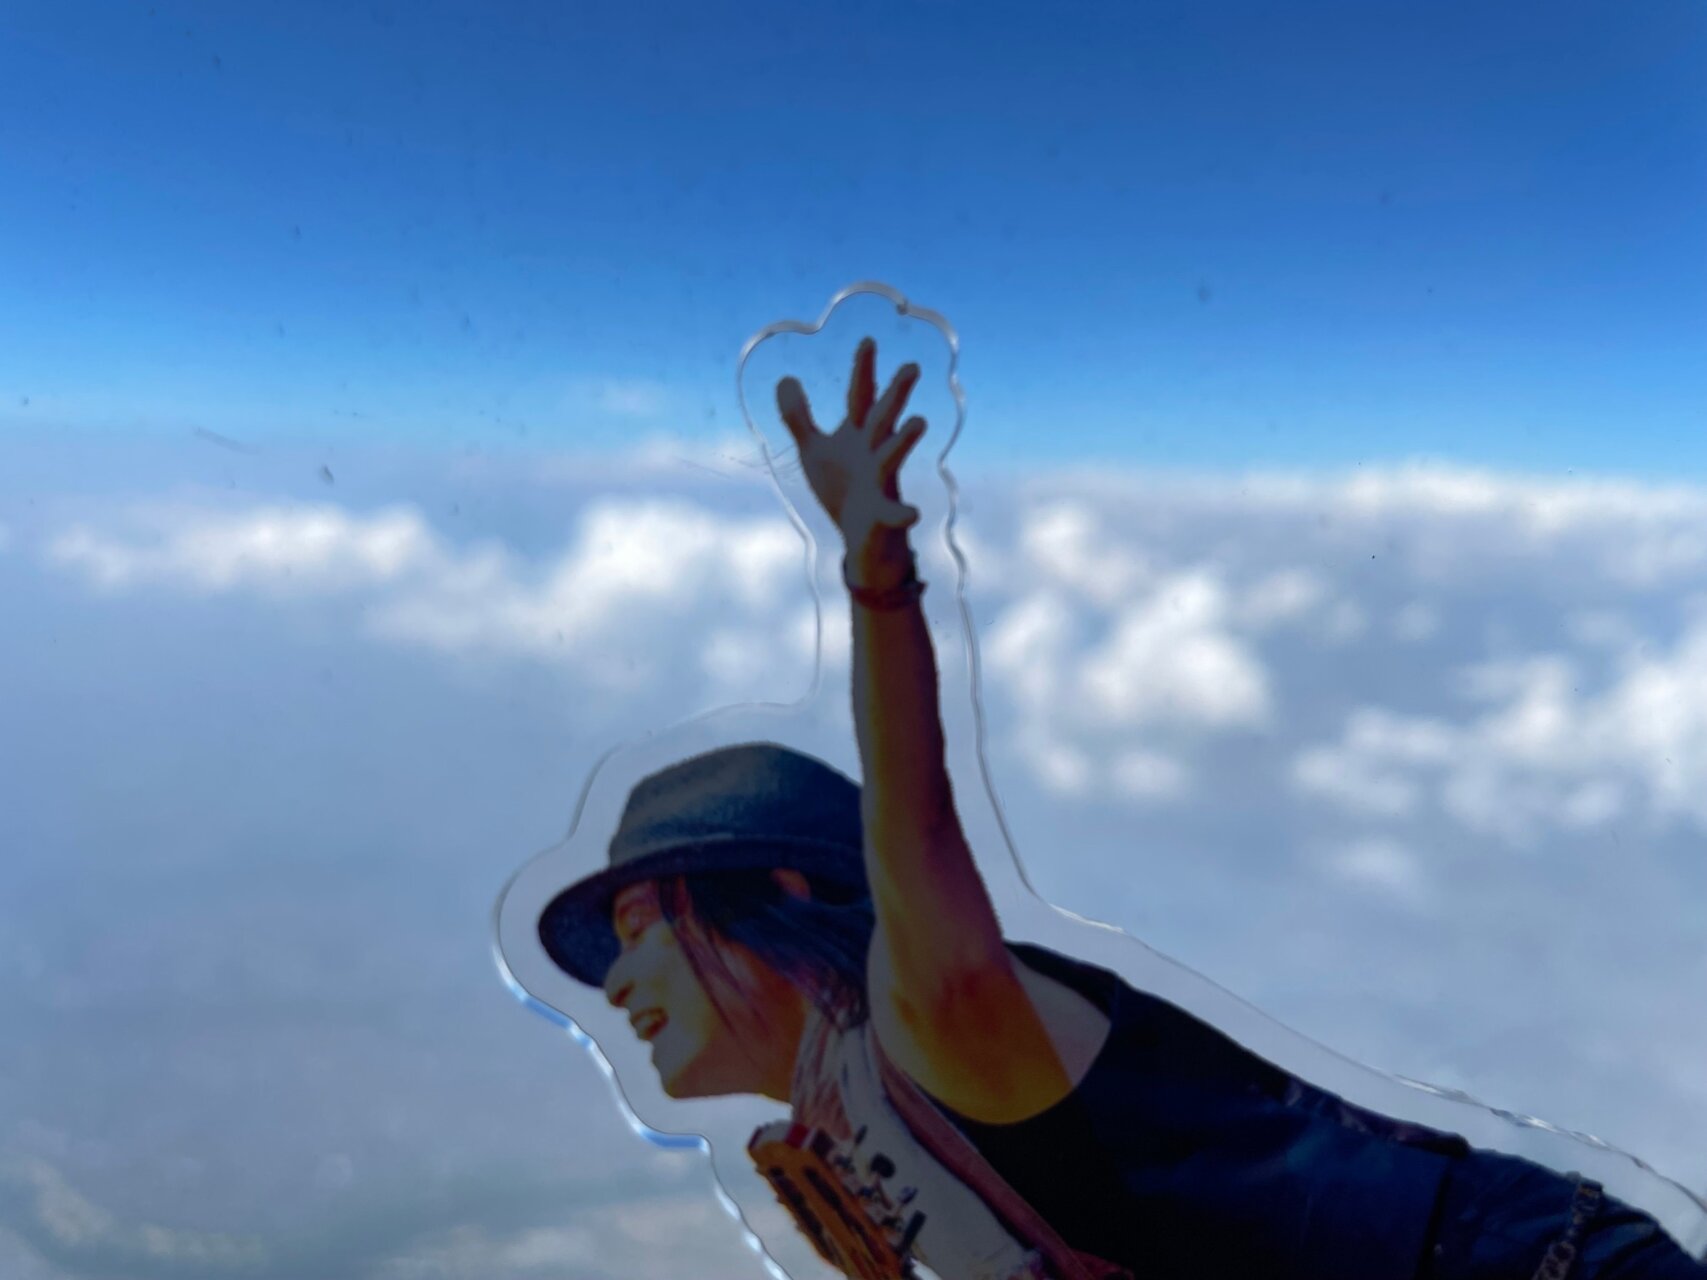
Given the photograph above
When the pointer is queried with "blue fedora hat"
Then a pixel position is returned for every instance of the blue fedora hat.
(742, 807)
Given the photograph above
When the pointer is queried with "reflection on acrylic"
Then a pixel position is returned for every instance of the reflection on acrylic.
(733, 916)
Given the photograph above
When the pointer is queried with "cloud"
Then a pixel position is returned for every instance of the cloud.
(1148, 775)
(657, 457)
(1298, 597)
(303, 549)
(1415, 623)
(19, 1261)
(633, 399)
(471, 1250)
(1444, 523)
(633, 560)
(643, 1238)
(1120, 642)
(1089, 707)
(1059, 766)
(631, 564)
(1105, 649)
(1028, 647)
(1544, 755)
(1546, 506)
(54, 1232)
(1603, 629)
(1355, 782)
(1409, 762)
(1170, 659)
(1282, 596)
(1638, 534)
(56, 1219)
(1383, 867)
(1069, 544)
(635, 570)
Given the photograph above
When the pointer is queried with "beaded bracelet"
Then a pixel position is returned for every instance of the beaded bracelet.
(887, 599)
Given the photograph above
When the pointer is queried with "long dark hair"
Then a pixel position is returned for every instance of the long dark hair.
(820, 943)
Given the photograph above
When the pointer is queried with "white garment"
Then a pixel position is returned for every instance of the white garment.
(838, 1088)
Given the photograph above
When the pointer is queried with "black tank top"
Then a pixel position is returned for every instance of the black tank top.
(1182, 1155)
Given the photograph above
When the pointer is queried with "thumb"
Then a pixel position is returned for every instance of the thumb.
(896, 515)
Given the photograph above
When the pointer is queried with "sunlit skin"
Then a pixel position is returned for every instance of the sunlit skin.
(948, 1003)
(695, 1052)
(985, 1036)
(991, 1040)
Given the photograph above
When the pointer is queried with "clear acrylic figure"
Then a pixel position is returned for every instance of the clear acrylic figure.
(815, 905)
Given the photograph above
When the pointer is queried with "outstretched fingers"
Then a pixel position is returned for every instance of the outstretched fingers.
(880, 422)
(895, 450)
(862, 387)
(796, 412)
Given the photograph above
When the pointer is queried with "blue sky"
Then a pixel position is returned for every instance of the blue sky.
(1169, 234)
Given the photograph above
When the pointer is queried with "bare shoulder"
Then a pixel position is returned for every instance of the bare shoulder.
(1005, 1044)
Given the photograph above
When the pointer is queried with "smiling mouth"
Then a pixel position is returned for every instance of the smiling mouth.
(650, 1026)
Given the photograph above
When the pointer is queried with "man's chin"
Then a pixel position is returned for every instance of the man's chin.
(683, 1088)
(675, 1087)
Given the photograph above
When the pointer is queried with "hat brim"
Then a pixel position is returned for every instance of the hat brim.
(576, 930)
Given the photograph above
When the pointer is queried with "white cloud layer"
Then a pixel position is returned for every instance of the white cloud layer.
(1127, 624)
(1386, 866)
(76, 1226)
(306, 549)
(1549, 751)
(1363, 748)
(1449, 522)
(632, 565)
(620, 398)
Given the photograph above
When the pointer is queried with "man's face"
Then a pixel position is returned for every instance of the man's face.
(694, 1051)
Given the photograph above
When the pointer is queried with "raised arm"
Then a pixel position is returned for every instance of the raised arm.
(946, 1001)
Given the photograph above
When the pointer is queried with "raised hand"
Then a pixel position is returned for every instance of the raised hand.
(853, 470)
